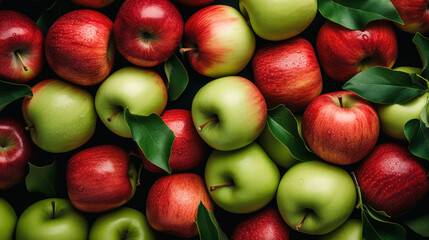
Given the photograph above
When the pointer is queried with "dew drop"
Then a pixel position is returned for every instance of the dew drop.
(300, 181)
(299, 51)
(68, 105)
(365, 37)
(81, 188)
(14, 34)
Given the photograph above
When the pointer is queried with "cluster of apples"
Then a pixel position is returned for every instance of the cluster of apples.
(226, 154)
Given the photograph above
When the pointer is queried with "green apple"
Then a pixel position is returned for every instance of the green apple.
(277, 151)
(121, 223)
(52, 219)
(393, 117)
(7, 219)
(140, 90)
(350, 230)
(61, 116)
(276, 20)
(315, 197)
(242, 180)
(229, 112)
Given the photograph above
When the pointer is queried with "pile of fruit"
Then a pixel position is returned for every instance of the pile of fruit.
(203, 119)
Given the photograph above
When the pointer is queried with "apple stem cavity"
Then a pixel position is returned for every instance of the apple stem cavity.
(109, 119)
(200, 128)
(53, 209)
(124, 237)
(18, 54)
(302, 222)
(183, 50)
(212, 188)
(340, 99)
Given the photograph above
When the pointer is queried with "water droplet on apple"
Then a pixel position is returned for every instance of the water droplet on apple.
(365, 37)
(299, 51)
(300, 181)
(14, 34)
(81, 188)
(68, 105)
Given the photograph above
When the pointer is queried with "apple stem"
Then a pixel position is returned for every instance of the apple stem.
(53, 209)
(340, 98)
(183, 50)
(357, 189)
(18, 54)
(133, 154)
(109, 119)
(124, 237)
(212, 188)
(200, 128)
(302, 221)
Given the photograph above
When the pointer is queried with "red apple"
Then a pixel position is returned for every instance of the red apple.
(287, 73)
(21, 47)
(172, 204)
(100, 178)
(15, 152)
(217, 41)
(414, 14)
(92, 3)
(148, 32)
(195, 3)
(79, 47)
(264, 225)
(340, 127)
(343, 52)
(391, 179)
(188, 150)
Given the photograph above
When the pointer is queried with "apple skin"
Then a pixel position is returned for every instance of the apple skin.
(343, 52)
(391, 179)
(61, 116)
(120, 223)
(352, 229)
(92, 3)
(231, 112)
(414, 14)
(172, 204)
(266, 224)
(140, 90)
(148, 32)
(8, 220)
(340, 135)
(20, 33)
(220, 41)
(36, 222)
(287, 73)
(194, 3)
(278, 20)
(393, 117)
(79, 47)
(252, 178)
(322, 192)
(188, 150)
(100, 178)
(275, 149)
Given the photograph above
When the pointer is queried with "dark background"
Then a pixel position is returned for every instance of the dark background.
(20, 198)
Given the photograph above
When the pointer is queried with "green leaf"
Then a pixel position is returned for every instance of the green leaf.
(284, 127)
(418, 137)
(419, 224)
(10, 92)
(43, 179)
(376, 228)
(177, 77)
(358, 13)
(422, 45)
(153, 137)
(207, 225)
(59, 8)
(384, 85)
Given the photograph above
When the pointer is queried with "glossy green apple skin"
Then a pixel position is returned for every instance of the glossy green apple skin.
(36, 222)
(254, 175)
(61, 116)
(237, 108)
(121, 222)
(140, 90)
(393, 117)
(278, 152)
(278, 20)
(350, 230)
(325, 192)
(8, 220)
